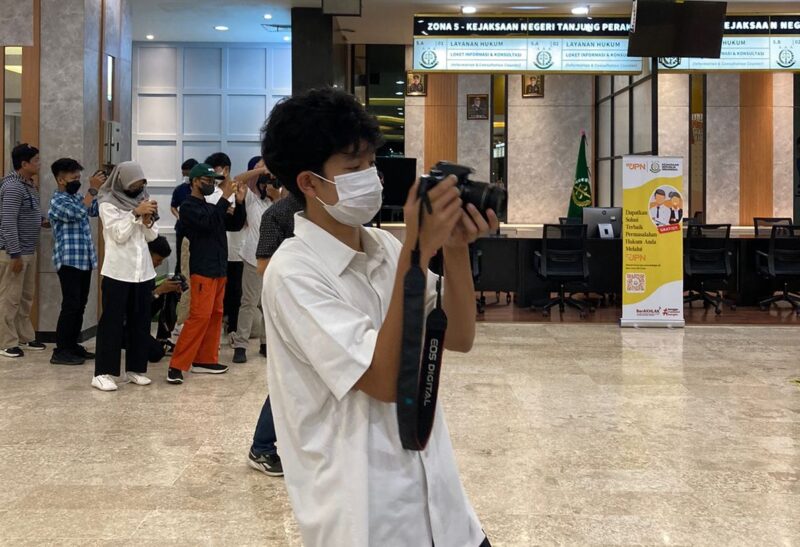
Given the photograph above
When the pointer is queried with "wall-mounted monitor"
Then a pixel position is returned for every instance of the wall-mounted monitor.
(664, 28)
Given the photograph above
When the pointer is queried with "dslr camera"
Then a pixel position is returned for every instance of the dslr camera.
(482, 195)
(269, 180)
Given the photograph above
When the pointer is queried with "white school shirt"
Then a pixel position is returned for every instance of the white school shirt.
(660, 214)
(127, 257)
(255, 210)
(235, 239)
(349, 479)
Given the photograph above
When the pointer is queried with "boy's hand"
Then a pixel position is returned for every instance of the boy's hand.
(472, 226)
(439, 224)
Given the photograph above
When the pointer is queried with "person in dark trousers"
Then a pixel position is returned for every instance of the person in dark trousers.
(206, 226)
(74, 255)
(166, 296)
(277, 225)
(20, 224)
(128, 216)
(221, 163)
(179, 195)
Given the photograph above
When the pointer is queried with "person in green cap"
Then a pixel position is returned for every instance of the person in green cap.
(205, 226)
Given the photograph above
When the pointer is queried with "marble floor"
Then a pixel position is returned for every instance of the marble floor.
(565, 434)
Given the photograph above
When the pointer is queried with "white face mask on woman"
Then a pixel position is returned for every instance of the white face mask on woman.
(360, 197)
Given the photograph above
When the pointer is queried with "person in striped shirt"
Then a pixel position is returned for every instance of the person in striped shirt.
(20, 223)
(74, 255)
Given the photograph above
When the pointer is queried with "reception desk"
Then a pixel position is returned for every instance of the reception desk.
(506, 264)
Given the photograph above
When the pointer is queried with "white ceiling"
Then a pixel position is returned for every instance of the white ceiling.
(382, 21)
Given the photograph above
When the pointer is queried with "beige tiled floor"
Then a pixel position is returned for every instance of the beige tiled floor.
(565, 434)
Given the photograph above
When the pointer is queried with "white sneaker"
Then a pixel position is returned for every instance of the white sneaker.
(138, 379)
(104, 382)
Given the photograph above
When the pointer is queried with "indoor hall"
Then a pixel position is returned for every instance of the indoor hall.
(645, 393)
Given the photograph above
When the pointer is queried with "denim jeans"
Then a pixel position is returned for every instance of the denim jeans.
(264, 438)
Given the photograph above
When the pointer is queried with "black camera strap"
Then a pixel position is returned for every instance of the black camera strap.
(418, 380)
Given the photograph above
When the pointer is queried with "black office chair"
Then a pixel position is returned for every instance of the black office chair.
(570, 220)
(707, 259)
(781, 264)
(564, 260)
(763, 225)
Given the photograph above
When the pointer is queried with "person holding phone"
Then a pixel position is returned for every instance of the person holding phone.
(128, 217)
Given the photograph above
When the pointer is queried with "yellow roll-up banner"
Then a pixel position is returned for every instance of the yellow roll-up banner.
(652, 241)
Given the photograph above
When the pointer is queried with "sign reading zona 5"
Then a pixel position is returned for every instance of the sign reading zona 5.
(523, 44)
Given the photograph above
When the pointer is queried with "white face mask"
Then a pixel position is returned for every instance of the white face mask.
(360, 197)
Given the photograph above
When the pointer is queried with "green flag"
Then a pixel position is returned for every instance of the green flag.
(582, 190)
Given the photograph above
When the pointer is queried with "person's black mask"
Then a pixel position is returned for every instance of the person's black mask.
(134, 193)
(73, 186)
(207, 189)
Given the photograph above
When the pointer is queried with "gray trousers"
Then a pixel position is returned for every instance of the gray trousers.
(16, 301)
(251, 317)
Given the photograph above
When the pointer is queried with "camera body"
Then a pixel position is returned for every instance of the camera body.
(182, 280)
(482, 195)
(269, 180)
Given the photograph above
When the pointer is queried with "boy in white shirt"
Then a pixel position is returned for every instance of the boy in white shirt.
(333, 304)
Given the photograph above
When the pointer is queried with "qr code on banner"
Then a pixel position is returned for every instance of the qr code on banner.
(635, 283)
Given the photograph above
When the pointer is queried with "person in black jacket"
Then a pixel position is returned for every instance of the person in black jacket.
(205, 225)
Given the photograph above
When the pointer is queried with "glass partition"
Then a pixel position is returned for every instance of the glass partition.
(12, 103)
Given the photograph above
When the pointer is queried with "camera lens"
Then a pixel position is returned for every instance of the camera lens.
(485, 196)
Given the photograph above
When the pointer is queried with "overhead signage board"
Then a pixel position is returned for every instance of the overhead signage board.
(523, 44)
(750, 43)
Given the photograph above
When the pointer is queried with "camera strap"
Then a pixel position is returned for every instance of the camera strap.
(418, 379)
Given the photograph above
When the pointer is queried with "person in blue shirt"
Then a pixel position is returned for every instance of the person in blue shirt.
(179, 195)
(74, 255)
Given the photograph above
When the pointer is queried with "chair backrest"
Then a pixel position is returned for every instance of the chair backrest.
(564, 251)
(707, 250)
(784, 250)
(763, 225)
(569, 220)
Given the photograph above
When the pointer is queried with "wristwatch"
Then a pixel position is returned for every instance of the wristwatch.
(93, 191)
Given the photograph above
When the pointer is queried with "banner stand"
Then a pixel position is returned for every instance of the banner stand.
(652, 241)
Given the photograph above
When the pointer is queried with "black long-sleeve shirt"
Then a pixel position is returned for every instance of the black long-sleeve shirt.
(205, 225)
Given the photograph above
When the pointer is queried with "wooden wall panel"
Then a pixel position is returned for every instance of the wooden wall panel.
(2, 108)
(756, 146)
(30, 82)
(441, 119)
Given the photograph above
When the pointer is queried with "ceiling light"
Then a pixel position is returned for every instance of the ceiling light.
(400, 82)
(527, 7)
(398, 92)
(267, 16)
(221, 28)
(150, 37)
(580, 10)
(287, 38)
(468, 10)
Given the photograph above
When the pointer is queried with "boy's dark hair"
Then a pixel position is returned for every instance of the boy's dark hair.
(188, 164)
(674, 195)
(661, 192)
(23, 152)
(218, 159)
(65, 165)
(305, 130)
(160, 246)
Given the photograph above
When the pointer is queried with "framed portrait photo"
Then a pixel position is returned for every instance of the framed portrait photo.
(478, 107)
(532, 86)
(416, 84)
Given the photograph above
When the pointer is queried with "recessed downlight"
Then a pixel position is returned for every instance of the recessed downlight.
(221, 28)
(580, 10)
(468, 10)
(287, 38)
(150, 37)
(267, 16)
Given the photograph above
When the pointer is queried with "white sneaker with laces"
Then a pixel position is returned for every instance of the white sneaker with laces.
(104, 382)
(138, 379)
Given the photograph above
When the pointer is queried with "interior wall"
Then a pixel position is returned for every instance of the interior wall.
(474, 136)
(783, 144)
(722, 148)
(415, 122)
(16, 23)
(191, 100)
(543, 139)
(441, 119)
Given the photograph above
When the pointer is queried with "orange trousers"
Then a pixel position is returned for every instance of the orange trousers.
(199, 339)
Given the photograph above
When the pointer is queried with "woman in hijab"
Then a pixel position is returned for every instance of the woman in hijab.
(129, 223)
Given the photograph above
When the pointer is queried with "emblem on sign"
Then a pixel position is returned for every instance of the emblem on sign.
(655, 167)
(669, 62)
(786, 58)
(428, 59)
(582, 193)
(544, 60)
